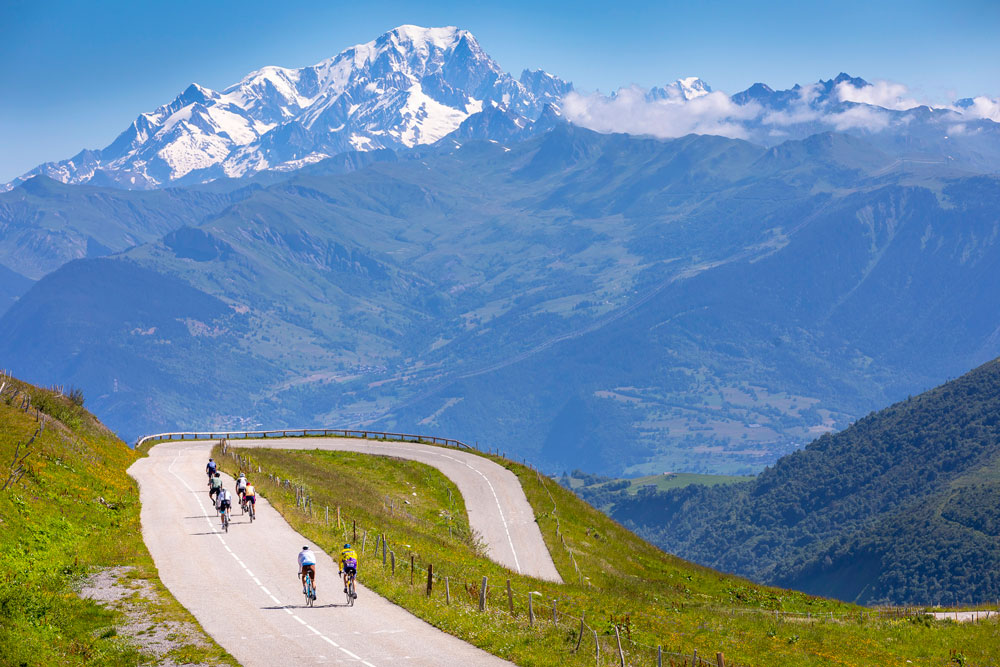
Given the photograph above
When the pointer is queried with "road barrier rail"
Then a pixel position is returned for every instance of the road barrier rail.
(303, 433)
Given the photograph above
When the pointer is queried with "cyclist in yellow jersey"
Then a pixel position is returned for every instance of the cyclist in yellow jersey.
(348, 563)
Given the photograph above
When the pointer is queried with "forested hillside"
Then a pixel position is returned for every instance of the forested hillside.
(903, 506)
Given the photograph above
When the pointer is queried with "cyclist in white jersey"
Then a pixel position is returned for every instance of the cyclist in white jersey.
(307, 563)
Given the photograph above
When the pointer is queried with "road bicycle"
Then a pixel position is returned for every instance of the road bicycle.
(225, 520)
(310, 591)
(248, 508)
(351, 594)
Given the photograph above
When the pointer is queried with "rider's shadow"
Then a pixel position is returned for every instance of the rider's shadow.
(302, 606)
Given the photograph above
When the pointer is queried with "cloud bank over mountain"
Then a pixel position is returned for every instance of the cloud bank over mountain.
(843, 104)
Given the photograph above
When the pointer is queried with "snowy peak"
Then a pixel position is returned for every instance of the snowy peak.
(680, 90)
(410, 86)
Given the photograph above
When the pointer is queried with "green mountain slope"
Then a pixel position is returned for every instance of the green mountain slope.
(68, 510)
(44, 223)
(602, 301)
(899, 507)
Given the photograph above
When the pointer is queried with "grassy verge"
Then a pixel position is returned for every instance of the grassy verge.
(615, 580)
(73, 512)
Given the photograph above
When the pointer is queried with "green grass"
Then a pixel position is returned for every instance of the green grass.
(611, 575)
(55, 530)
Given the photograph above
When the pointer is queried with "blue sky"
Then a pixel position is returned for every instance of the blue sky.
(75, 74)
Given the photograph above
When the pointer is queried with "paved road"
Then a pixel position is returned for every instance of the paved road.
(243, 589)
(494, 499)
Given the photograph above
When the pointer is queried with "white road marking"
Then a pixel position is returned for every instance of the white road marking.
(503, 519)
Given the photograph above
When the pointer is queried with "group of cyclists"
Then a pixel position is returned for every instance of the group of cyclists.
(348, 560)
(245, 491)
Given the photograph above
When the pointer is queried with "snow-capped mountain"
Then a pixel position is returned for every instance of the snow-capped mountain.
(410, 86)
(682, 89)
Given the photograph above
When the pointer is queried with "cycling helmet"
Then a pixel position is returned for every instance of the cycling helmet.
(305, 547)
(347, 546)
(210, 459)
(243, 474)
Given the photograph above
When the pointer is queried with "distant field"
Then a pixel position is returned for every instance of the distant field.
(675, 480)
(604, 492)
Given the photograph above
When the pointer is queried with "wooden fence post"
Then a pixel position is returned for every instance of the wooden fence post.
(618, 638)
(510, 598)
(659, 656)
(694, 658)
(430, 578)
(327, 514)
(553, 612)
(597, 648)
(720, 659)
(482, 596)
(580, 637)
(411, 569)
(338, 518)
(393, 558)
(354, 524)
(364, 540)
(383, 548)
(447, 591)
(531, 610)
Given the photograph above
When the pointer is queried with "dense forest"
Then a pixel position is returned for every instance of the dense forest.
(902, 507)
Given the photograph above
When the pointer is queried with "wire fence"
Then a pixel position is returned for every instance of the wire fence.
(609, 643)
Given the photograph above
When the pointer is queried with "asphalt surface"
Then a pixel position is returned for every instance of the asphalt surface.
(243, 587)
(497, 507)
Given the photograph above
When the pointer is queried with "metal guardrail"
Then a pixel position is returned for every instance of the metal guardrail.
(301, 433)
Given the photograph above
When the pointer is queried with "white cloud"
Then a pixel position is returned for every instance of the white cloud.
(865, 118)
(984, 107)
(630, 111)
(880, 94)
(799, 111)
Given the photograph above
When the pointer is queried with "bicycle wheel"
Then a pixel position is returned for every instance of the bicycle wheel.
(351, 595)
(310, 594)
(225, 521)
(253, 512)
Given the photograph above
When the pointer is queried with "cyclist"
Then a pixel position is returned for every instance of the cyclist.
(211, 468)
(307, 563)
(241, 485)
(348, 564)
(250, 496)
(224, 504)
(215, 485)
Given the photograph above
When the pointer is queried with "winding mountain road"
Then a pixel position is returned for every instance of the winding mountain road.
(241, 585)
